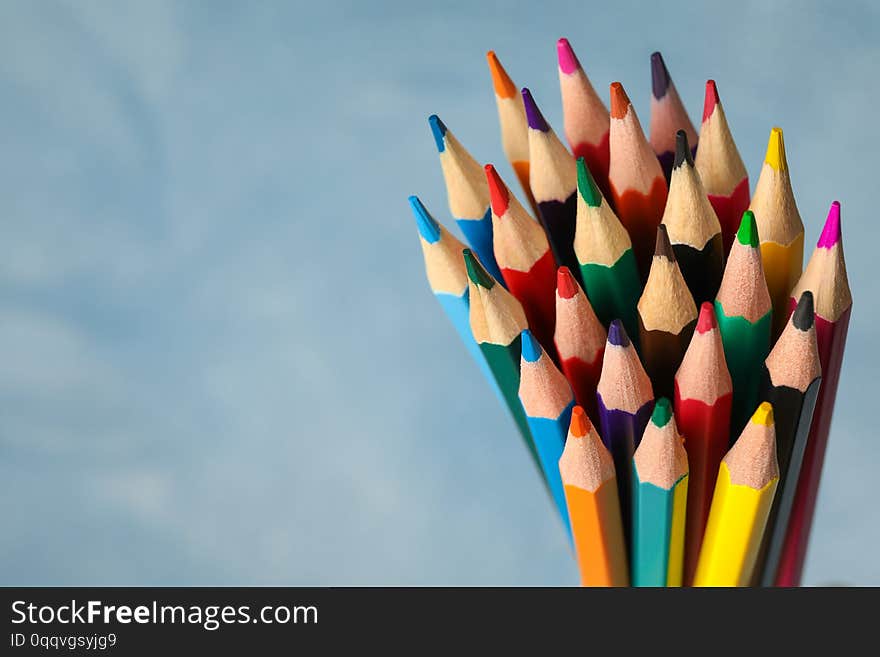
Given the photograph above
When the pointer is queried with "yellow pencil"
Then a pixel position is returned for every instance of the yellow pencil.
(780, 229)
(744, 492)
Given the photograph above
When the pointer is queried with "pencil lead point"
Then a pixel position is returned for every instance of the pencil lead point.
(662, 412)
(711, 99)
(619, 101)
(504, 86)
(531, 348)
(775, 156)
(763, 414)
(747, 234)
(662, 247)
(566, 286)
(533, 114)
(499, 195)
(660, 79)
(475, 271)
(803, 315)
(682, 150)
(439, 130)
(587, 186)
(707, 320)
(568, 61)
(617, 334)
(580, 424)
(831, 230)
(429, 229)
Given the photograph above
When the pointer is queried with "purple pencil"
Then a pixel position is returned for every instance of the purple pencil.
(625, 399)
(553, 179)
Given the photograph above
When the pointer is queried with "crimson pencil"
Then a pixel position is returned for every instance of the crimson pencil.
(668, 115)
(524, 257)
(825, 276)
(580, 340)
(703, 395)
(638, 186)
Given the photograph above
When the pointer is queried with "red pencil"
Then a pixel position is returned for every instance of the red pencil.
(638, 186)
(525, 259)
(825, 276)
(585, 117)
(580, 340)
(703, 393)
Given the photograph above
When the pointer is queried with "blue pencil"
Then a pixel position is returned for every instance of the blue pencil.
(468, 194)
(547, 400)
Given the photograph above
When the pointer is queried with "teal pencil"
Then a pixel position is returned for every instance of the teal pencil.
(660, 481)
(547, 400)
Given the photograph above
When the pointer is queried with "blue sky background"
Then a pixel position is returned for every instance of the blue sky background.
(220, 362)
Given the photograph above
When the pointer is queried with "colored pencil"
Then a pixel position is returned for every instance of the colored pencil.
(780, 228)
(743, 310)
(660, 484)
(553, 180)
(512, 120)
(587, 472)
(497, 321)
(825, 276)
(667, 316)
(605, 254)
(625, 398)
(524, 257)
(547, 401)
(585, 117)
(448, 279)
(693, 227)
(579, 339)
(638, 186)
(790, 382)
(668, 115)
(746, 485)
(703, 394)
(468, 194)
(721, 168)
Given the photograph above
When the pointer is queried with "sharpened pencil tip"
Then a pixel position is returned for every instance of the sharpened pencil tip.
(533, 114)
(707, 320)
(775, 156)
(711, 99)
(499, 195)
(617, 334)
(660, 79)
(763, 414)
(504, 86)
(475, 271)
(682, 150)
(803, 315)
(619, 101)
(587, 186)
(566, 286)
(580, 424)
(662, 247)
(831, 230)
(568, 61)
(662, 412)
(531, 348)
(429, 229)
(439, 130)
(747, 234)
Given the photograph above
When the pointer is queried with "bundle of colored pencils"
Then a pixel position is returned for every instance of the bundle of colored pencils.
(669, 364)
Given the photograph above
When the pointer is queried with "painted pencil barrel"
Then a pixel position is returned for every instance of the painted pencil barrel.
(782, 269)
(535, 290)
(597, 158)
(614, 291)
(478, 233)
(745, 347)
(521, 169)
(558, 220)
(549, 436)
(584, 377)
(658, 532)
(598, 539)
(640, 214)
(662, 353)
(729, 210)
(702, 269)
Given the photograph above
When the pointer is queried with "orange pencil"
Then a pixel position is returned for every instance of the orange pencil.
(590, 486)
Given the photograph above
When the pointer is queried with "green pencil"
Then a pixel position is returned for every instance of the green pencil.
(744, 316)
(497, 322)
(660, 482)
(605, 255)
